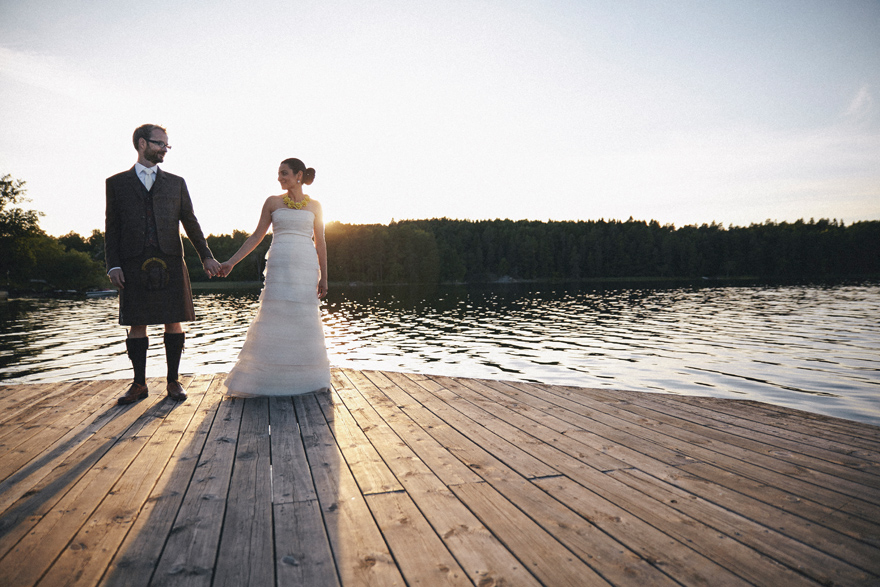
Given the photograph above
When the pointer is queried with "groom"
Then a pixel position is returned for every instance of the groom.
(144, 253)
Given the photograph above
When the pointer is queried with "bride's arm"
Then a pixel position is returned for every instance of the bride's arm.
(321, 247)
(252, 241)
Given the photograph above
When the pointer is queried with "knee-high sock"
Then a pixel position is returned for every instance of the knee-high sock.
(137, 352)
(173, 350)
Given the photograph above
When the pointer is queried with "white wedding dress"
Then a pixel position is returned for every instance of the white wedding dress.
(284, 351)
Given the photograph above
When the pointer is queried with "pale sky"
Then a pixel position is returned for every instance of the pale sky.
(686, 112)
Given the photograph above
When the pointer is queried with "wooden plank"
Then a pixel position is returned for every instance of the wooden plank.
(538, 509)
(30, 441)
(640, 436)
(291, 481)
(137, 557)
(768, 423)
(94, 546)
(18, 394)
(838, 429)
(421, 555)
(246, 555)
(668, 554)
(855, 543)
(687, 533)
(552, 516)
(790, 525)
(191, 550)
(68, 470)
(809, 506)
(704, 444)
(47, 462)
(813, 503)
(14, 399)
(495, 407)
(608, 556)
(466, 438)
(302, 547)
(480, 554)
(599, 549)
(701, 538)
(549, 561)
(744, 442)
(804, 557)
(819, 425)
(362, 557)
(29, 409)
(369, 470)
(526, 434)
(377, 390)
(53, 532)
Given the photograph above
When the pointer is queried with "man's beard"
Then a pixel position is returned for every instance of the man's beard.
(154, 156)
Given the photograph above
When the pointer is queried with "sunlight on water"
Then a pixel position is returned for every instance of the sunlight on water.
(809, 347)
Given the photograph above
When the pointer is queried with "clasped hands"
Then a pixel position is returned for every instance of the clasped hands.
(214, 268)
(211, 266)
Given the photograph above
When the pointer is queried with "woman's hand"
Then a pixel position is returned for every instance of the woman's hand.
(322, 289)
(225, 268)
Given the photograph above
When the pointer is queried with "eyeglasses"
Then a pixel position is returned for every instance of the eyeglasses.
(160, 144)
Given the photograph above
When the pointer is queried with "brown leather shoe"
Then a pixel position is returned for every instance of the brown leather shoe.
(136, 392)
(175, 391)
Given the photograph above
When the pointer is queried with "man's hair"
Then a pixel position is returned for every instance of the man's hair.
(145, 132)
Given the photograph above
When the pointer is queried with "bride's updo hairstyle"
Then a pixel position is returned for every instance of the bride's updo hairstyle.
(296, 166)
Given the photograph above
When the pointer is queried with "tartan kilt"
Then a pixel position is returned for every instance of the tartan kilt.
(157, 290)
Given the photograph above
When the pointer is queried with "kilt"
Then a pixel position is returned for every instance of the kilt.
(157, 290)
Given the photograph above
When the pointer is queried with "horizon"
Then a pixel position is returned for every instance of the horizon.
(721, 225)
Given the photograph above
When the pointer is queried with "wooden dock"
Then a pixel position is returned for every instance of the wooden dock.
(402, 479)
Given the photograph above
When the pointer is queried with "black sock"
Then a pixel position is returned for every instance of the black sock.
(137, 352)
(173, 350)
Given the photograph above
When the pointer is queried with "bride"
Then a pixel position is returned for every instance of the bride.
(284, 351)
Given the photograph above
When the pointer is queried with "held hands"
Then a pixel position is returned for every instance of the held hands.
(212, 268)
(225, 268)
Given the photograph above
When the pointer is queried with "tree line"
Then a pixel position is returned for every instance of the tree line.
(442, 250)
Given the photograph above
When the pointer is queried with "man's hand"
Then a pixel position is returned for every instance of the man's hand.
(212, 268)
(117, 278)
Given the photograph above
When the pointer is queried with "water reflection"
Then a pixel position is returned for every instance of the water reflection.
(810, 347)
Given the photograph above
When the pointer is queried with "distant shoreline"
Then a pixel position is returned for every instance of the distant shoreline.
(216, 285)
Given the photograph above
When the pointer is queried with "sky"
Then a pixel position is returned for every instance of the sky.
(684, 112)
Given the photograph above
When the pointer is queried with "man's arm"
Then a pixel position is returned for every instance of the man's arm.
(111, 237)
(195, 234)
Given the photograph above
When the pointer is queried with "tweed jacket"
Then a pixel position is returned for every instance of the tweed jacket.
(125, 222)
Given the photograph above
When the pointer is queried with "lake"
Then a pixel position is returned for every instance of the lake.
(811, 347)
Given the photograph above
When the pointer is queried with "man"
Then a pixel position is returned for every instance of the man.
(144, 253)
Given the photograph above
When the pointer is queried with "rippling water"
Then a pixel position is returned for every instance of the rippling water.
(809, 347)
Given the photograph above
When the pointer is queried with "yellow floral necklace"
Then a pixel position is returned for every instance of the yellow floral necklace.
(290, 203)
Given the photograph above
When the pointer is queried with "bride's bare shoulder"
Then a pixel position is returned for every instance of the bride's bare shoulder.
(274, 203)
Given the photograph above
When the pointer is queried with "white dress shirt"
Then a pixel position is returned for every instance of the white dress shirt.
(139, 169)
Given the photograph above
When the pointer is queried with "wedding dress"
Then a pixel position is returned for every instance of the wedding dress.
(284, 351)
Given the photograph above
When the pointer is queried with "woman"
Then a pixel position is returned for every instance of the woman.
(284, 352)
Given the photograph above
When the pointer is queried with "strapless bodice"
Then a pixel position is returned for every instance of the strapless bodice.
(292, 222)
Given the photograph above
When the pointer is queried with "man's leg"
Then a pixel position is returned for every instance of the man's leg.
(136, 344)
(174, 340)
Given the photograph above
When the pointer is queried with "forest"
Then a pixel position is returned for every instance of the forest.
(445, 251)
